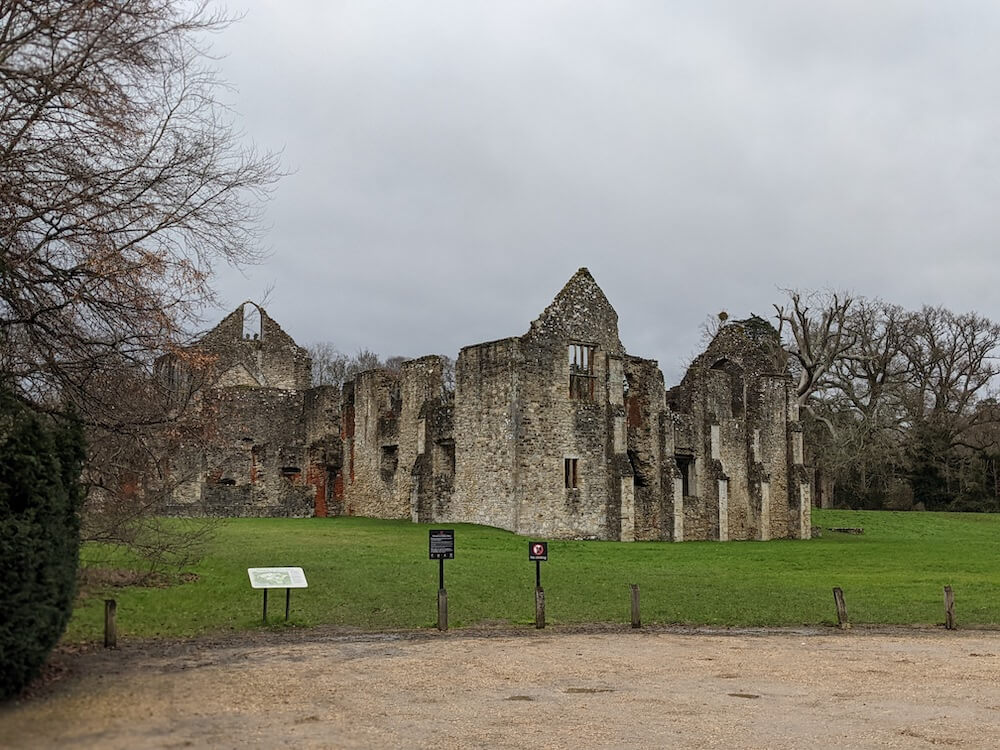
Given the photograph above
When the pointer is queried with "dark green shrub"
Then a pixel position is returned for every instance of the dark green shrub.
(40, 497)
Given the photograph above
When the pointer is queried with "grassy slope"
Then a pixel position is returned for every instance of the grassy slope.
(375, 574)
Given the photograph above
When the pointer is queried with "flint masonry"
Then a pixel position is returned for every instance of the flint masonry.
(558, 433)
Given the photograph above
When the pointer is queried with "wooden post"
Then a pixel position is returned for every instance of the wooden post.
(634, 587)
(110, 623)
(539, 607)
(442, 609)
(949, 608)
(838, 598)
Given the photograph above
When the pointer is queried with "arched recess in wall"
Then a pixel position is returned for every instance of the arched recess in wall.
(167, 369)
(251, 321)
(737, 385)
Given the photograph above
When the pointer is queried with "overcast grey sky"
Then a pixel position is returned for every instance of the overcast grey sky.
(453, 163)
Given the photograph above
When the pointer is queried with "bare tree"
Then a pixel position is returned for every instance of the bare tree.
(953, 361)
(333, 367)
(711, 326)
(817, 324)
(329, 364)
(122, 184)
(363, 360)
(905, 399)
(395, 362)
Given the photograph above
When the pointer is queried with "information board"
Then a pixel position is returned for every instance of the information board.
(442, 544)
(277, 578)
(538, 551)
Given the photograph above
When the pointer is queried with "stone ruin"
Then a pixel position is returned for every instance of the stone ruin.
(558, 433)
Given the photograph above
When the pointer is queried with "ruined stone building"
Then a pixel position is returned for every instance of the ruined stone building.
(558, 433)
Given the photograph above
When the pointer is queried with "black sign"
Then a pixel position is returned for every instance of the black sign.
(538, 551)
(442, 544)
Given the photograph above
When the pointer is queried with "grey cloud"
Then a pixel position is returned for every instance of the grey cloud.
(454, 163)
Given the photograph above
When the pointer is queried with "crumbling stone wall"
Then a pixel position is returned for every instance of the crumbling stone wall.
(534, 455)
(650, 450)
(324, 448)
(372, 488)
(738, 393)
(269, 359)
(389, 414)
(486, 422)
(271, 442)
(557, 433)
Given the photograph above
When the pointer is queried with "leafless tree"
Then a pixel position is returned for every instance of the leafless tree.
(329, 364)
(903, 397)
(363, 360)
(711, 326)
(395, 362)
(952, 359)
(123, 183)
(815, 326)
(332, 367)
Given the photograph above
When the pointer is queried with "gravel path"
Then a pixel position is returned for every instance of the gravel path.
(504, 689)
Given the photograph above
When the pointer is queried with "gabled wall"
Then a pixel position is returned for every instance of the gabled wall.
(558, 433)
(271, 443)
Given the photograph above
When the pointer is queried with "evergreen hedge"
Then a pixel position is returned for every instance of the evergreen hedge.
(40, 498)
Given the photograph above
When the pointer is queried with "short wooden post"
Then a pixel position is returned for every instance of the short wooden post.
(539, 607)
(838, 598)
(442, 609)
(110, 623)
(949, 608)
(634, 587)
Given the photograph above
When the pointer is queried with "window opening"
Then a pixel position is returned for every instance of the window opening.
(251, 321)
(581, 372)
(390, 461)
(737, 386)
(686, 466)
(571, 474)
(446, 456)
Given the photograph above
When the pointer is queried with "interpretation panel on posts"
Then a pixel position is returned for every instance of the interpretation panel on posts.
(277, 578)
(442, 544)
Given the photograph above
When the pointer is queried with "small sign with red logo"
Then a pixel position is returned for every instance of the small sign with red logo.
(538, 551)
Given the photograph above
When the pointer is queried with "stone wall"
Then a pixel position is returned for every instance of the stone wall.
(558, 433)
(650, 450)
(376, 480)
(267, 358)
(269, 444)
(485, 421)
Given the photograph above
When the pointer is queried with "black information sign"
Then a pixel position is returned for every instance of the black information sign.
(538, 551)
(442, 544)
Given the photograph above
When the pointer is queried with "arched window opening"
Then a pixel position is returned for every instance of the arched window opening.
(251, 321)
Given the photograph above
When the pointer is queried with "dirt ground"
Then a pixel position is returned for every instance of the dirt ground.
(600, 688)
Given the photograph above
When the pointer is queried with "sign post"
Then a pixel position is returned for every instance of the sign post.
(537, 553)
(277, 578)
(441, 547)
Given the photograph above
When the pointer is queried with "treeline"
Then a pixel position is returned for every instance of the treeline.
(330, 366)
(900, 406)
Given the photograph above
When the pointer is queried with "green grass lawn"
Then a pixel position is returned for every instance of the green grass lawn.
(376, 575)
